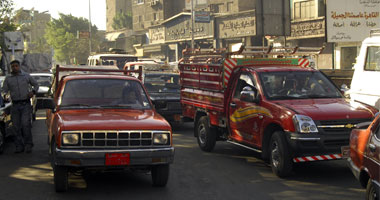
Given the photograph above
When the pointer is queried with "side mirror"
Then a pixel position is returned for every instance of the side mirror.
(249, 94)
(48, 103)
(345, 90)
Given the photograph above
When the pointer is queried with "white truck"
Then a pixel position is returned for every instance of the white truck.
(365, 86)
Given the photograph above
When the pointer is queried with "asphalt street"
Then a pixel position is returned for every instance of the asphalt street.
(229, 172)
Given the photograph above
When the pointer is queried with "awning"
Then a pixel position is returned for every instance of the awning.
(154, 48)
(115, 35)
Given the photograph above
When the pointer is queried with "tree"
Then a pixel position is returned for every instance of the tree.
(61, 34)
(122, 20)
(6, 8)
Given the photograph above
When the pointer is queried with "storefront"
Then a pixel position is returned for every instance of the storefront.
(234, 30)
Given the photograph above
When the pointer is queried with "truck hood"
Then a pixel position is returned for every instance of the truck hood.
(110, 119)
(329, 109)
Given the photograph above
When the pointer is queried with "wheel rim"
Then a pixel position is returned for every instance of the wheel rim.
(202, 134)
(372, 194)
(275, 155)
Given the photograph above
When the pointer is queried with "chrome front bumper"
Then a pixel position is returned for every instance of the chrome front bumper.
(97, 157)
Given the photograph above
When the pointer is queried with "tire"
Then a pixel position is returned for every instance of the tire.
(370, 193)
(60, 173)
(206, 135)
(2, 142)
(160, 175)
(280, 159)
(60, 178)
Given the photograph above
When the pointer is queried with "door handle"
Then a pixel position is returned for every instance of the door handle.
(372, 147)
(233, 104)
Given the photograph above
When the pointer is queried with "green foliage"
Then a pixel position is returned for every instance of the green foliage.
(61, 34)
(122, 20)
(6, 8)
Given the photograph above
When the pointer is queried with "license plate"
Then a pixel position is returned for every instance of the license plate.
(345, 151)
(177, 118)
(117, 158)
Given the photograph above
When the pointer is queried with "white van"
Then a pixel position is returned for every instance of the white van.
(110, 59)
(365, 84)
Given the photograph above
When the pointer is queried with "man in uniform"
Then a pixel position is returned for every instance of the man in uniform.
(19, 85)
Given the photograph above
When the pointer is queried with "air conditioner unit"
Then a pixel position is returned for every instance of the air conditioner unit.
(154, 2)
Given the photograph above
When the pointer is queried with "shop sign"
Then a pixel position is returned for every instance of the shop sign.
(351, 20)
(239, 26)
(180, 29)
(157, 35)
(307, 29)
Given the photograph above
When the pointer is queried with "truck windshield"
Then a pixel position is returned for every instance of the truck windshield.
(107, 93)
(297, 85)
(162, 83)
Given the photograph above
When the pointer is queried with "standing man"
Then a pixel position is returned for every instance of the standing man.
(18, 84)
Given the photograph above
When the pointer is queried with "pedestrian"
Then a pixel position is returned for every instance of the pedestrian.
(18, 84)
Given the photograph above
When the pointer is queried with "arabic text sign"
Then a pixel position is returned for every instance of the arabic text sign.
(351, 20)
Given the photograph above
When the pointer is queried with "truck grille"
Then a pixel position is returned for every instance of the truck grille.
(339, 126)
(116, 139)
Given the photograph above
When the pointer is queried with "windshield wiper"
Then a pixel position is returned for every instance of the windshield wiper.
(76, 104)
(116, 106)
(318, 96)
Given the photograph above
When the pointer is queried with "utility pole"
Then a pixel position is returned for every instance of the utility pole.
(89, 24)
(192, 24)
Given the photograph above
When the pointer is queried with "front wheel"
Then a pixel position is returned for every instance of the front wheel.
(61, 174)
(206, 135)
(2, 142)
(160, 175)
(370, 193)
(280, 159)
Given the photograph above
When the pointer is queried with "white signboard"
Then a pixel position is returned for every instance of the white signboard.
(351, 20)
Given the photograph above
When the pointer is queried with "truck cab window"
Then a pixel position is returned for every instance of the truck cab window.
(244, 80)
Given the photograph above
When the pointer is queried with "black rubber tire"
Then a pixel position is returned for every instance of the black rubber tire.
(2, 142)
(60, 178)
(280, 159)
(61, 174)
(370, 193)
(160, 175)
(206, 136)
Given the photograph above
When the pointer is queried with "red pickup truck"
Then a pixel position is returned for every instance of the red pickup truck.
(105, 122)
(363, 155)
(280, 107)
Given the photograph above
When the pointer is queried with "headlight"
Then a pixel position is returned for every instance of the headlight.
(70, 139)
(304, 124)
(161, 138)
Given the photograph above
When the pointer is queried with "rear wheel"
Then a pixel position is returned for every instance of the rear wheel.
(370, 193)
(2, 142)
(280, 159)
(160, 175)
(60, 172)
(206, 135)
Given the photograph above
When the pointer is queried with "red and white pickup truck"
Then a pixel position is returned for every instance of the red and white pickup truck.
(280, 107)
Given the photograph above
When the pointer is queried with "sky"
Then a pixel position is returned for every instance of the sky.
(77, 8)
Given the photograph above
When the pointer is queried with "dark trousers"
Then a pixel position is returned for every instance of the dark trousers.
(21, 120)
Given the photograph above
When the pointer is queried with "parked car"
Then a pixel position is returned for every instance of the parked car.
(44, 81)
(162, 83)
(364, 156)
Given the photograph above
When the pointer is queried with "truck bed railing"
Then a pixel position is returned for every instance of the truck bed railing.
(91, 69)
(217, 55)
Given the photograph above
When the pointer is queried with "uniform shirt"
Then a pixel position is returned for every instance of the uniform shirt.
(19, 86)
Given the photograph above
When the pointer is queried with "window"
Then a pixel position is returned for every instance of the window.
(155, 16)
(304, 10)
(244, 80)
(140, 1)
(372, 62)
(229, 6)
(347, 59)
(140, 18)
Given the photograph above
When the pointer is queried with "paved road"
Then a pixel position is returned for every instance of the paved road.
(230, 172)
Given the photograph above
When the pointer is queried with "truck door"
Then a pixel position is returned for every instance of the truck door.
(373, 153)
(244, 117)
